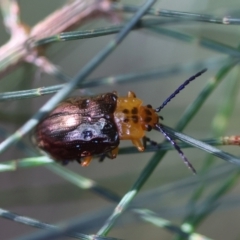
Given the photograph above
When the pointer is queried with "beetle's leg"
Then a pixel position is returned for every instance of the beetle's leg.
(138, 144)
(102, 157)
(131, 94)
(113, 153)
(79, 160)
(65, 162)
(86, 160)
(145, 140)
(152, 143)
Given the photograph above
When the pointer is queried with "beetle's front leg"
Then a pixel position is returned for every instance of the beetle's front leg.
(152, 143)
(138, 144)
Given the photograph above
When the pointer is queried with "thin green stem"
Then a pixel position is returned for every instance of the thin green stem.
(200, 17)
(154, 74)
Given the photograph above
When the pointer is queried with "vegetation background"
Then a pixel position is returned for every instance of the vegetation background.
(39, 193)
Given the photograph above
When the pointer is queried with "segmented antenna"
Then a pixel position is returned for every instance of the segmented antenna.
(185, 160)
(180, 89)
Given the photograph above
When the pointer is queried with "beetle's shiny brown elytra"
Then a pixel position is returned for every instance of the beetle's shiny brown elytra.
(81, 127)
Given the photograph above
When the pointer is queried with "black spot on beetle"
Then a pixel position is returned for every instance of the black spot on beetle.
(148, 112)
(126, 111)
(134, 110)
(149, 106)
(126, 120)
(148, 119)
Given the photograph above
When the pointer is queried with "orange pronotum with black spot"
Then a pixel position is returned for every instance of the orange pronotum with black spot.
(133, 119)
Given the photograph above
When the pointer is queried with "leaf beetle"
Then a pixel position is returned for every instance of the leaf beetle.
(81, 127)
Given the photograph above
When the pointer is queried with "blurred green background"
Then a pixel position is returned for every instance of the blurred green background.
(39, 193)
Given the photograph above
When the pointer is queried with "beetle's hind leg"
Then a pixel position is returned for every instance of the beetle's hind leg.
(111, 154)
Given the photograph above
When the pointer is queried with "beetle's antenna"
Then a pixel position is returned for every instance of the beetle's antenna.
(180, 89)
(159, 128)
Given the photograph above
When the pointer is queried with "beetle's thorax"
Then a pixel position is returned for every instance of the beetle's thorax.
(133, 119)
